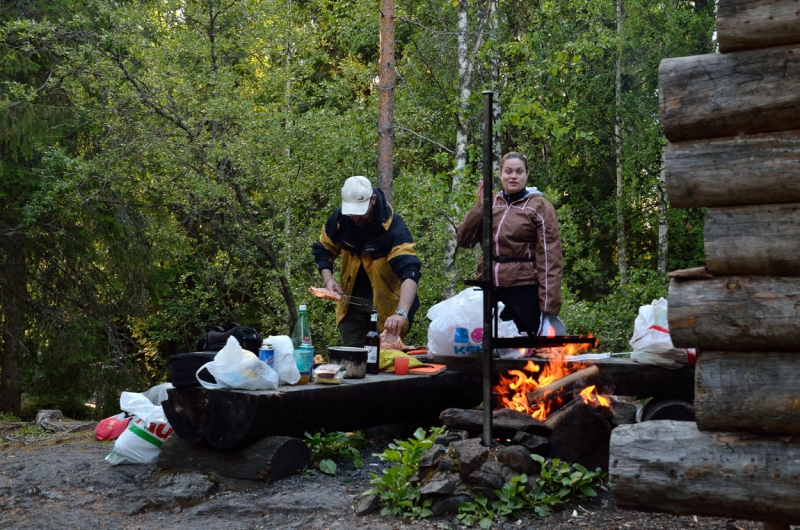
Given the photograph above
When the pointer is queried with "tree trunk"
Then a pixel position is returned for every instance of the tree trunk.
(287, 102)
(757, 240)
(497, 146)
(270, 459)
(715, 95)
(462, 137)
(621, 240)
(749, 24)
(670, 466)
(14, 281)
(386, 100)
(748, 391)
(734, 171)
(735, 313)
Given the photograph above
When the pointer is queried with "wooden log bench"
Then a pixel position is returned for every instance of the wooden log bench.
(620, 376)
(232, 419)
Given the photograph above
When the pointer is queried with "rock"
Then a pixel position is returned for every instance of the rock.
(370, 504)
(499, 470)
(486, 480)
(449, 505)
(517, 458)
(505, 422)
(441, 484)
(432, 456)
(471, 454)
(531, 442)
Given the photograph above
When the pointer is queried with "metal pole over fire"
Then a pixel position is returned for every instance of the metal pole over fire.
(488, 281)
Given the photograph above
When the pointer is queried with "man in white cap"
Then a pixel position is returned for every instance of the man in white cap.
(378, 262)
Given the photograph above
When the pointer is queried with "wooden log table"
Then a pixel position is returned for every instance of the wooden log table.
(620, 376)
(228, 419)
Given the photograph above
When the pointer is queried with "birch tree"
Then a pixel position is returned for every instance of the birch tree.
(469, 44)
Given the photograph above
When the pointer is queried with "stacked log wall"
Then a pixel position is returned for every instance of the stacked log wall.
(733, 123)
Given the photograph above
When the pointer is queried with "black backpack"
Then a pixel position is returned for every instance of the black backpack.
(216, 339)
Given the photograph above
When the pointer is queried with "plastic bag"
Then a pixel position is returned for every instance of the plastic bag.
(234, 367)
(146, 432)
(651, 341)
(140, 443)
(284, 359)
(139, 405)
(457, 324)
(158, 393)
(112, 427)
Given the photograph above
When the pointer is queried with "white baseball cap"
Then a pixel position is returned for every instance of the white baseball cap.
(356, 194)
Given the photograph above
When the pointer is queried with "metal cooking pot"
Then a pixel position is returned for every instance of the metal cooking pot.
(352, 359)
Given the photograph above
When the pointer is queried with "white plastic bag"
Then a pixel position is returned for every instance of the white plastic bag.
(457, 324)
(158, 393)
(139, 405)
(285, 364)
(651, 341)
(147, 431)
(234, 367)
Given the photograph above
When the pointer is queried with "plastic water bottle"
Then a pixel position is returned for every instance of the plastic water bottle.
(303, 348)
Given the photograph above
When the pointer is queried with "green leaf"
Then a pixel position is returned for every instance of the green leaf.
(328, 466)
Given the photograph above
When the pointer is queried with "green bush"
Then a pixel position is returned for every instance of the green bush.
(557, 484)
(611, 318)
(330, 449)
(398, 495)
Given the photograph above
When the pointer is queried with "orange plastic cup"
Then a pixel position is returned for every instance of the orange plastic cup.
(401, 365)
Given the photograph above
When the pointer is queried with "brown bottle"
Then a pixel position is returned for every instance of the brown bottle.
(373, 344)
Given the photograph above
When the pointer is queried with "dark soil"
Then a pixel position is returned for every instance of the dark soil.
(63, 481)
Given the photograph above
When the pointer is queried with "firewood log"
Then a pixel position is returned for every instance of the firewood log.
(566, 385)
(671, 466)
(756, 392)
(748, 24)
(732, 171)
(735, 313)
(269, 459)
(714, 95)
(757, 240)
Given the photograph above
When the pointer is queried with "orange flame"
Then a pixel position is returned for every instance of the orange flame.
(513, 388)
(591, 397)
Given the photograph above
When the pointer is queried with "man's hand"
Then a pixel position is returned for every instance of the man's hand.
(394, 324)
(328, 282)
(333, 286)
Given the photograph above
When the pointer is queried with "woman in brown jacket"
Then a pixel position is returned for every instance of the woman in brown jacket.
(526, 249)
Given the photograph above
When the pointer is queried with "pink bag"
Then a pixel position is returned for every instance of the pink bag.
(111, 428)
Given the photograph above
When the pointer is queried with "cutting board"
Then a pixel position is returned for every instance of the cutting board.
(428, 369)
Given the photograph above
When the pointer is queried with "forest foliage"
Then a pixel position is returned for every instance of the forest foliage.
(166, 165)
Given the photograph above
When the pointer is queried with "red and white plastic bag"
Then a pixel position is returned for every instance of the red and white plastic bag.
(651, 341)
(146, 433)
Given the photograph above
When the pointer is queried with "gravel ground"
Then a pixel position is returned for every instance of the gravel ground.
(64, 482)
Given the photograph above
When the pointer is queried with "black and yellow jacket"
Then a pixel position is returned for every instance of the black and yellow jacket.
(385, 249)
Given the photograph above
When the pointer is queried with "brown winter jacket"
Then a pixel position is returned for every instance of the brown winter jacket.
(526, 230)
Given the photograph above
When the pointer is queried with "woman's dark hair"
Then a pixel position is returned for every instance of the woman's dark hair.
(514, 154)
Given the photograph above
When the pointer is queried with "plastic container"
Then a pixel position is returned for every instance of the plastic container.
(267, 353)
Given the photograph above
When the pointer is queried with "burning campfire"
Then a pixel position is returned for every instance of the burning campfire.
(539, 392)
